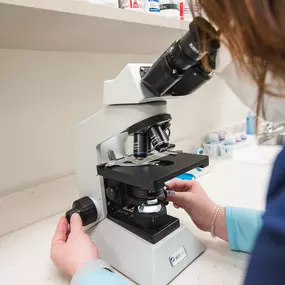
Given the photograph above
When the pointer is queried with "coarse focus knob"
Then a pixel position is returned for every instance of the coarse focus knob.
(86, 209)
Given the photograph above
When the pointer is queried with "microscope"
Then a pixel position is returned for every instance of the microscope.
(123, 204)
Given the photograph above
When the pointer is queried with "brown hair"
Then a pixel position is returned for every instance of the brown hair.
(254, 33)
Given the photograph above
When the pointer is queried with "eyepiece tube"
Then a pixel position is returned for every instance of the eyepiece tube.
(179, 57)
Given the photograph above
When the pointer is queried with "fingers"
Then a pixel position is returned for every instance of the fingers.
(176, 206)
(60, 235)
(181, 185)
(180, 198)
(76, 223)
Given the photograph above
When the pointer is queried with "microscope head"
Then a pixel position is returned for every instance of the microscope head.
(184, 67)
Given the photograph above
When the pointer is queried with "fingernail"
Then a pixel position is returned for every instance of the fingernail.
(74, 214)
(170, 192)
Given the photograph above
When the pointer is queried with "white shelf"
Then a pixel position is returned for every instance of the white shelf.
(70, 25)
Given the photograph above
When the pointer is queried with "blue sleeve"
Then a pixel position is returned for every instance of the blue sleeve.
(243, 226)
(267, 263)
(89, 274)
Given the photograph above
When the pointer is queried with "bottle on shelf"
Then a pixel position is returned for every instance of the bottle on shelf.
(134, 5)
(181, 9)
(152, 6)
(185, 13)
(250, 123)
(169, 8)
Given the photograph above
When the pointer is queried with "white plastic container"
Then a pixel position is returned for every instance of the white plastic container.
(230, 139)
(232, 150)
(221, 135)
(169, 8)
(238, 137)
(243, 136)
(187, 13)
(213, 137)
(152, 6)
(212, 149)
(227, 151)
(134, 5)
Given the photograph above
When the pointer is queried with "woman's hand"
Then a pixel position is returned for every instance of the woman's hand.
(190, 196)
(71, 246)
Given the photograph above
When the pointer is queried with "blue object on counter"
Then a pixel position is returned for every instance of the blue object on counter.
(200, 151)
(186, 176)
(250, 124)
(190, 176)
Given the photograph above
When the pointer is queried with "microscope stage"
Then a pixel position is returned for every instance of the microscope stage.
(153, 177)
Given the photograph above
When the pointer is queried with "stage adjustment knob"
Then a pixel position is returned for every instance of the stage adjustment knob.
(86, 209)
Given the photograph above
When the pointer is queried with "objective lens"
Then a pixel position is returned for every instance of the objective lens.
(140, 145)
(158, 138)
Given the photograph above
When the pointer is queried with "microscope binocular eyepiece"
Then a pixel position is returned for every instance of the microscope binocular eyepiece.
(200, 41)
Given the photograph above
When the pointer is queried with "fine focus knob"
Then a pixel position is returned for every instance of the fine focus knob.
(86, 209)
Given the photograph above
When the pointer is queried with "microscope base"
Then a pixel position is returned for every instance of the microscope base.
(141, 261)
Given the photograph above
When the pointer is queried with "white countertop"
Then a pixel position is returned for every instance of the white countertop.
(24, 254)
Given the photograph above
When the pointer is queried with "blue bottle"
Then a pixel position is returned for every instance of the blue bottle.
(250, 123)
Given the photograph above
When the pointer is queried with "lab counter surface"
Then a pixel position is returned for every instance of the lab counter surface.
(24, 254)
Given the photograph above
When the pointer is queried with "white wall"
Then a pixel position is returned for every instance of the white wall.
(44, 94)
(210, 107)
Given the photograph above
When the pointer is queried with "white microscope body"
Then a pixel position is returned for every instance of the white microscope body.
(139, 260)
(128, 219)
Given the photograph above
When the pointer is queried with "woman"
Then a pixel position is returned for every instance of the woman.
(254, 32)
